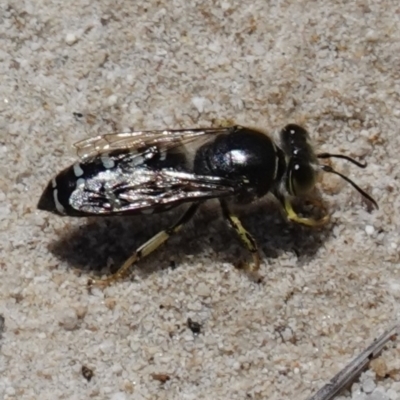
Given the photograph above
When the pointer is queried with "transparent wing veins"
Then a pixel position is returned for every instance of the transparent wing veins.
(163, 188)
(91, 147)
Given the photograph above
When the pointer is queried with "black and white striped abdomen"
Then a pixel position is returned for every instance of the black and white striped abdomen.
(107, 183)
(59, 191)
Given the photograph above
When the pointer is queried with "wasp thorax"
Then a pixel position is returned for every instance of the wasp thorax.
(244, 155)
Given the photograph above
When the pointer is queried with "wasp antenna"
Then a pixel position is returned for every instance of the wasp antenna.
(327, 168)
(352, 160)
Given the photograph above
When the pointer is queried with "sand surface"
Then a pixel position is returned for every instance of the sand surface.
(332, 66)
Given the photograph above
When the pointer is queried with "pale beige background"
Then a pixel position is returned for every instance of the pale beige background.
(330, 65)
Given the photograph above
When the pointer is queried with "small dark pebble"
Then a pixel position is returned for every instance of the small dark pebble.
(87, 373)
(161, 377)
(195, 327)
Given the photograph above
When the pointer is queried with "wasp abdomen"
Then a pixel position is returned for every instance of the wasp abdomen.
(59, 192)
(110, 182)
(55, 197)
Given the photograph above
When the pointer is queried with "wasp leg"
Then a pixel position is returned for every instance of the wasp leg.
(245, 238)
(293, 216)
(147, 248)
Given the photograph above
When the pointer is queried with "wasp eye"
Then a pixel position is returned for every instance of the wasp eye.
(301, 178)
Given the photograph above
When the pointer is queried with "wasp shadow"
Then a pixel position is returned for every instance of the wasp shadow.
(104, 243)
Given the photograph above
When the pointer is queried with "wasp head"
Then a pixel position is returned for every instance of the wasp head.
(301, 172)
(303, 166)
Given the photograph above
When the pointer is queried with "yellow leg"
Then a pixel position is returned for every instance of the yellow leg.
(147, 248)
(292, 215)
(245, 237)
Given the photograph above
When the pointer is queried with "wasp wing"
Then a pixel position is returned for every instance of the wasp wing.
(144, 177)
(152, 191)
(168, 188)
(165, 139)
